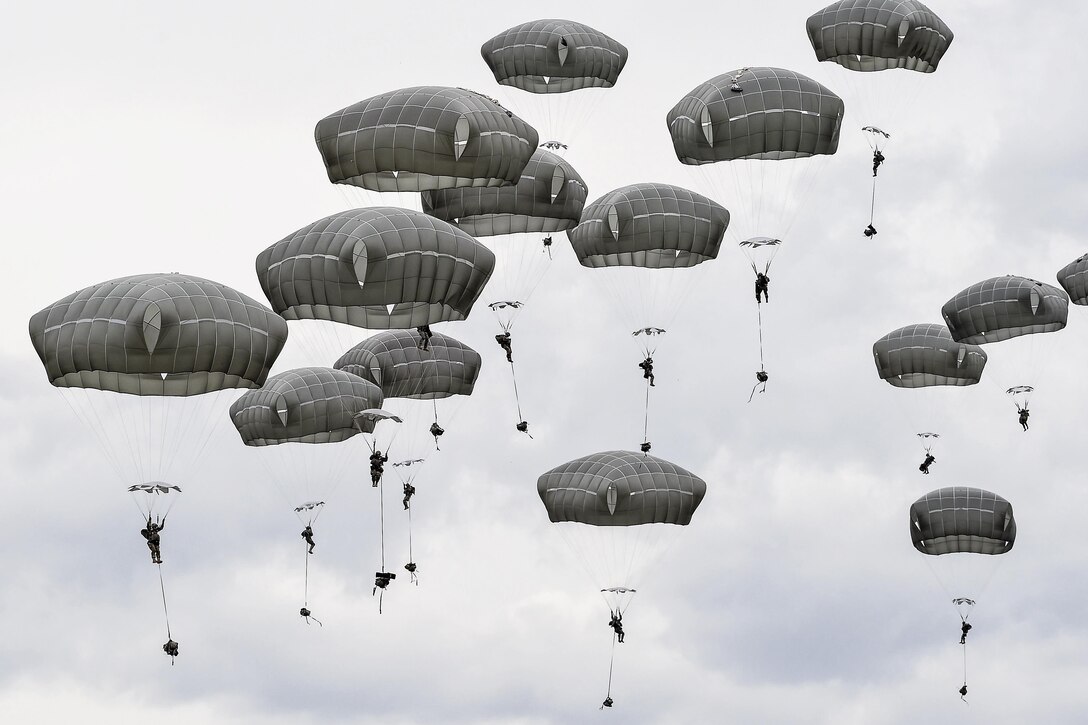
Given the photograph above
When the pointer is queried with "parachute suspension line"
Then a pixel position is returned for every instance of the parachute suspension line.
(76, 400)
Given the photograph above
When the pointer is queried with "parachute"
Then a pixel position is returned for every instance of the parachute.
(874, 35)
(760, 252)
(962, 520)
(925, 360)
(428, 137)
(379, 268)
(157, 335)
(154, 498)
(145, 362)
(306, 405)
(554, 56)
(924, 355)
(393, 361)
(561, 67)
(1073, 278)
(1001, 308)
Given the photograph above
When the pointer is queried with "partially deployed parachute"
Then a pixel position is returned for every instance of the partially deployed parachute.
(1001, 308)
(381, 267)
(554, 56)
(420, 138)
(1073, 278)
(925, 355)
(875, 35)
(393, 361)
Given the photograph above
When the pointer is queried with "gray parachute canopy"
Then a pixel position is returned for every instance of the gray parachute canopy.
(958, 519)
(429, 137)
(1073, 277)
(554, 56)
(649, 225)
(305, 405)
(918, 356)
(1000, 308)
(773, 114)
(548, 197)
(157, 334)
(873, 35)
(393, 361)
(620, 488)
(380, 267)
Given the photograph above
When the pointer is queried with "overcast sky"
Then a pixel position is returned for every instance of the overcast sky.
(138, 138)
